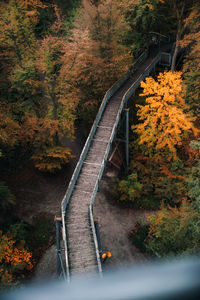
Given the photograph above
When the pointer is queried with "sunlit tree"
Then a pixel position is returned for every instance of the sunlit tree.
(163, 120)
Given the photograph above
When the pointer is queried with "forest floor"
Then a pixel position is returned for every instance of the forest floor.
(40, 194)
(116, 222)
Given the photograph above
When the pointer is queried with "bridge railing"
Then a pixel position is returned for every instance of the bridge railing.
(128, 94)
(77, 170)
(107, 96)
(141, 58)
(135, 85)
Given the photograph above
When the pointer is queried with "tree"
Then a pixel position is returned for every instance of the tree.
(144, 17)
(179, 10)
(49, 63)
(21, 94)
(191, 43)
(14, 260)
(194, 180)
(21, 90)
(105, 23)
(17, 35)
(161, 181)
(160, 17)
(179, 13)
(172, 231)
(34, 95)
(164, 122)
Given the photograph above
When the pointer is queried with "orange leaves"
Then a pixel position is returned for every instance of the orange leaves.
(168, 87)
(165, 170)
(12, 260)
(31, 3)
(36, 131)
(50, 160)
(9, 129)
(164, 121)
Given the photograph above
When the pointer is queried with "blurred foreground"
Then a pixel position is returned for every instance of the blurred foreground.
(169, 279)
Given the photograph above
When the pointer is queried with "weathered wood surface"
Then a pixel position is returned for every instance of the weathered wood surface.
(81, 249)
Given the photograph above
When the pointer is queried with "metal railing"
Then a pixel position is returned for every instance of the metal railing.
(77, 170)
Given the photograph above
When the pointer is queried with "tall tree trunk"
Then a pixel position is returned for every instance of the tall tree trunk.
(176, 51)
(180, 30)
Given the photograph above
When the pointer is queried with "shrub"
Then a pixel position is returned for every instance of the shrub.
(174, 230)
(139, 235)
(14, 260)
(130, 188)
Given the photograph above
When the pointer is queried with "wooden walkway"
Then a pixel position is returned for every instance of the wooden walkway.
(81, 249)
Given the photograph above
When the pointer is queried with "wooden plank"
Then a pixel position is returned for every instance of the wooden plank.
(95, 157)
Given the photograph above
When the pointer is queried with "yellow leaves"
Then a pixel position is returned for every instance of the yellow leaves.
(168, 84)
(164, 121)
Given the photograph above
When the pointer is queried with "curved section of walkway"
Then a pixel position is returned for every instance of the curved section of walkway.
(80, 243)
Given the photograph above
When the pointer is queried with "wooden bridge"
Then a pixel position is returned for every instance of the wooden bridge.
(78, 231)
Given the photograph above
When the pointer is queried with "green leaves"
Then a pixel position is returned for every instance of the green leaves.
(130, 188)
(194, 181)
(172, 231)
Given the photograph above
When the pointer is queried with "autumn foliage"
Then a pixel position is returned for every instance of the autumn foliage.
(14, 260)
(172, 230)
(164, 121)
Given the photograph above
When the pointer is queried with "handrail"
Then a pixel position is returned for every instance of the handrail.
(77, 170)
(74, 178)
(123, 102)
(107, 96)
(63, 272)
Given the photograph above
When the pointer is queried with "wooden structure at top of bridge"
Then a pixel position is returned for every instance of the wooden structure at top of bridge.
(78, 230)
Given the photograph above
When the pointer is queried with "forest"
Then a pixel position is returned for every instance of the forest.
(57, 60)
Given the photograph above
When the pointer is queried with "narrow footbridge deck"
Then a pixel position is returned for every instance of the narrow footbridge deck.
(78, 230)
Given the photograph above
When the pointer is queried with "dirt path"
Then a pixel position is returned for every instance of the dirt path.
(115, 223)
